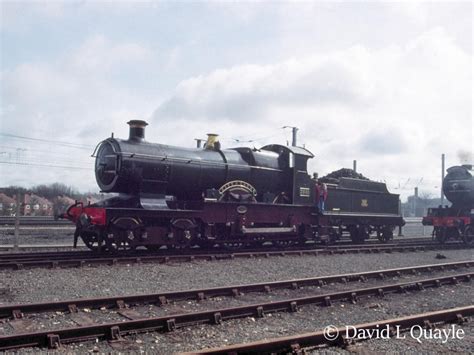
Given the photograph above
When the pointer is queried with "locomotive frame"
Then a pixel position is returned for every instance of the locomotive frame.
(450, 223)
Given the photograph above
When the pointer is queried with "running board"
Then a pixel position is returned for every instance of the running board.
(268, 230)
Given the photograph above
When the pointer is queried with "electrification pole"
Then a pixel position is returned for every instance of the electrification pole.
(17, 221)
(442, 178)
(414, 201)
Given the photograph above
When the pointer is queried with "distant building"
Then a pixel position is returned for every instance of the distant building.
(35, 205)
(61, 204)
(418, 207)
(7, 205)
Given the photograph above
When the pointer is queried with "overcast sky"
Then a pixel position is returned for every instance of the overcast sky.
(386, 83)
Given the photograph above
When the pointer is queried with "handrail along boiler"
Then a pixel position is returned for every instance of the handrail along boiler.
(180, 197)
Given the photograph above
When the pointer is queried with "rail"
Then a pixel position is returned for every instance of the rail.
(33, 221)
(296, 343)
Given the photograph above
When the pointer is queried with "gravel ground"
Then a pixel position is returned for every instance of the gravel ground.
(45, 285)
(36, 285)
(64, 319)
(309, 318)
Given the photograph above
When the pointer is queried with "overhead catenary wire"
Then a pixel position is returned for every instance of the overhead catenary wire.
(255, 137)
(45, 165)
(34, 151)
(62, 143)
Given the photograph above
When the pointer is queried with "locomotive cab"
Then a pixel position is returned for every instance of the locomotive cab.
(301, 187)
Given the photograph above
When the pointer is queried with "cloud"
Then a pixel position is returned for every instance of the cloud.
(245, 92)
(72, 88)
(395, 109)
(388, 85)
(98, 53)
(385, 141)
(18, 17)
(465, 157)
(74, 98)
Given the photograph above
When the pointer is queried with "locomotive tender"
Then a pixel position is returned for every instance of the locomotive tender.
(457, 220)
(180, 197)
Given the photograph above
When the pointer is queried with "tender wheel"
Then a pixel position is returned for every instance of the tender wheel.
(358, 234)
(334, 236)
(153, 248)
(385, 235)
(468, 235)
(284, 243)
(232, 246)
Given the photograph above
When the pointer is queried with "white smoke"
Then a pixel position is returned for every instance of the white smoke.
(465, 157)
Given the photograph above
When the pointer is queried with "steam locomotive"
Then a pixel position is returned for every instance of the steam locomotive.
(457, 220)
(180, 197)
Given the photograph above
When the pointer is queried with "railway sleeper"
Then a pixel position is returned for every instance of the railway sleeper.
(54, 342)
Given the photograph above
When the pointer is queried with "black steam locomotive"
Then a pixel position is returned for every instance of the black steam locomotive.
(455, 221)
(181, 197)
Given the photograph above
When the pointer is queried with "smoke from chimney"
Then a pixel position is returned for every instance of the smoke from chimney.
(465, 157)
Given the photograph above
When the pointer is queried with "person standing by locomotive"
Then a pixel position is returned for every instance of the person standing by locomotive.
(321, 195)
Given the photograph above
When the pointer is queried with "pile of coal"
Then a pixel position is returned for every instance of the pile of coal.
(333, 178)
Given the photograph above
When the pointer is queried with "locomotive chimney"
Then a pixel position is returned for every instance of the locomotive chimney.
(212, 142)
(137, 130)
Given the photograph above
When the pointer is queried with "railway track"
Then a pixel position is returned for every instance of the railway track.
(17, 261)
(34, 221)
(295, 344)
(134, 321)
(26, 247)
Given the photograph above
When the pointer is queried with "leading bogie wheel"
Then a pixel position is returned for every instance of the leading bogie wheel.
(92, 240)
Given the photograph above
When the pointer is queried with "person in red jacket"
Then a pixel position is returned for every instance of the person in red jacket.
(321, 195)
